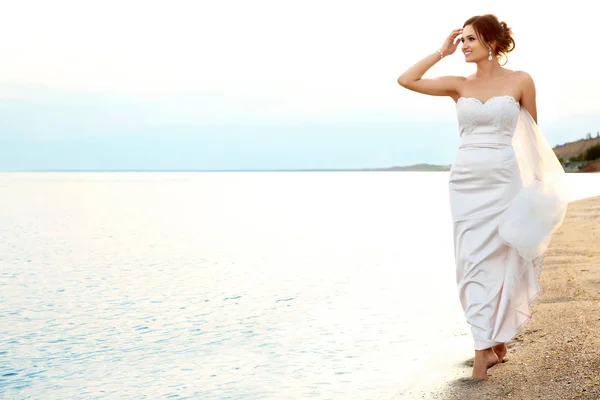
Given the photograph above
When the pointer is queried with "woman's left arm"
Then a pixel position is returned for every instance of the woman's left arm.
(528, 94)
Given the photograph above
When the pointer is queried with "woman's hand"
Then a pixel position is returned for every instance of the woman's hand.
(451, 43)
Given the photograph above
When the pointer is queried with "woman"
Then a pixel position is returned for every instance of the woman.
(507, 189)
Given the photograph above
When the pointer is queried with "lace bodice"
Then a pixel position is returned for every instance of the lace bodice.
(498, 115)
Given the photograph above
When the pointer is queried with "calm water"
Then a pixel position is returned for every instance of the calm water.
(228, 285)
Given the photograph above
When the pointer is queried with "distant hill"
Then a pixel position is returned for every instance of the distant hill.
(573, 149)
(564, 151)
(420, 167)
(570, 155)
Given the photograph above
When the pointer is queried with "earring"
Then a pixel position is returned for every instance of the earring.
(490, 55)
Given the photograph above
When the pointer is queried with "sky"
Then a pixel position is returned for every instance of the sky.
(240, 85)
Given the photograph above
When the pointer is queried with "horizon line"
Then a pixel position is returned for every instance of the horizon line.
(391, 169)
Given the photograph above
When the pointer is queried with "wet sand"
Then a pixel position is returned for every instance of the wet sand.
(557, 356)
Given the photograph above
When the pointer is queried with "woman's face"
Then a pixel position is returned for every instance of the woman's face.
(472, 48)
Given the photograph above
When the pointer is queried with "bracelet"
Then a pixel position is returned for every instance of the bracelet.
(441, 54)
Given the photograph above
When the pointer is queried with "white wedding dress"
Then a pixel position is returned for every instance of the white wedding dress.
(507, 196)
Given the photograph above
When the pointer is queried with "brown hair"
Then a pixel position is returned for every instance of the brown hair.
(494, 33)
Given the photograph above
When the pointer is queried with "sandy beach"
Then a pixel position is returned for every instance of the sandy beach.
(557, 356)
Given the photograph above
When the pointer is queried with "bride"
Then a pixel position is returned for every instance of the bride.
(506, 187)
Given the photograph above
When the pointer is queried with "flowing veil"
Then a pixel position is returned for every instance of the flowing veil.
(539, 208)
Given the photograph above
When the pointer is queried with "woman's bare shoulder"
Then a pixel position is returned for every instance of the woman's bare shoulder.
(521, 75)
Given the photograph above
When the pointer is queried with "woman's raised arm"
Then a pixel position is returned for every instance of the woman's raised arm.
(442, 86)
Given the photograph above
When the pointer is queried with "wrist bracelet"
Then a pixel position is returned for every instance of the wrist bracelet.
(441, 54)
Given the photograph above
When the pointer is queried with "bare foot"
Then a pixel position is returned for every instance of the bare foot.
(484, 359)
(500, 351)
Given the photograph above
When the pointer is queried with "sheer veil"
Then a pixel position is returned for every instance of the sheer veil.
(539, 208)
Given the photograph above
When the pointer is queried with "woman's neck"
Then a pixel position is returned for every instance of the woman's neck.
(488, 69)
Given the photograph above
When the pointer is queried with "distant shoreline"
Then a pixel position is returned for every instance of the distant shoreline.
(409, 168)
(569, 167)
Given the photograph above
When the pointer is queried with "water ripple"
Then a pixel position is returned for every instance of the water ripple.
(214, 287)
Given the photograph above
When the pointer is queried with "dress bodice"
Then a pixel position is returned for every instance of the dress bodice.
(498, 115)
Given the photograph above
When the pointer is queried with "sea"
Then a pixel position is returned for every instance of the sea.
(230, 285)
